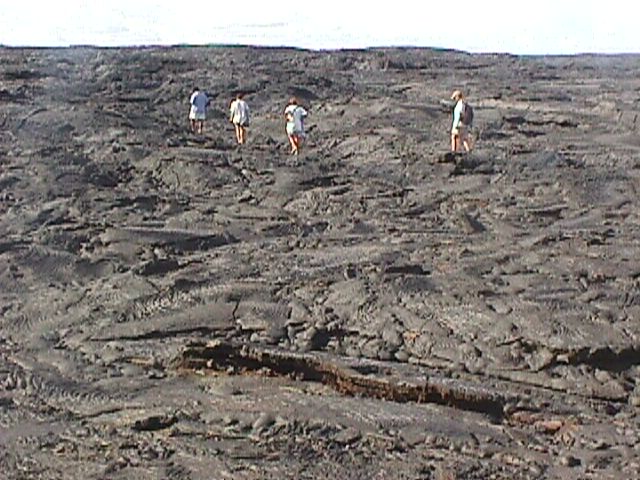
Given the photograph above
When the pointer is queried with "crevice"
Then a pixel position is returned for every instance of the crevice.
(359, 378)
(321, 181)
(24, 74)
(162, 334)
(519, 120)
(602, 358)
(607, 359)
(202, 243)
(408, 269)
(11, 245)
(31, 114)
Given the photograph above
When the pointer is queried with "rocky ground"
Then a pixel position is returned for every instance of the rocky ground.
(174, 306)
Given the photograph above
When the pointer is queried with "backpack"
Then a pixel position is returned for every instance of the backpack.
(466, 116)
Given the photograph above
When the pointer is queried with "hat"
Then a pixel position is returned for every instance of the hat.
(456, 94)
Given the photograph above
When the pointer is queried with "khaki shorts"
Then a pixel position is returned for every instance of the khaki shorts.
(461, 130)
(194, 114)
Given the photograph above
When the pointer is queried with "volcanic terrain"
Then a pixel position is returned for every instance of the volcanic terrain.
(175, 306)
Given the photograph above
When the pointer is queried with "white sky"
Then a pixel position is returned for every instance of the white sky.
(532, 26)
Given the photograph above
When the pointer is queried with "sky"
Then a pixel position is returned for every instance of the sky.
(529, 27)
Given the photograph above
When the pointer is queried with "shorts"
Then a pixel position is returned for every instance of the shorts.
(460, 130)
(194, 114)
(291, 131)
(290, 128)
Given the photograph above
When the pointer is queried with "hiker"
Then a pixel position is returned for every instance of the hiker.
(294, 115)
(198, 113)
(239, 116)
(462, 123)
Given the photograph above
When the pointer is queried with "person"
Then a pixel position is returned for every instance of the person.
(460, 133)
(198, 113)
(239, 116)
(294, 115)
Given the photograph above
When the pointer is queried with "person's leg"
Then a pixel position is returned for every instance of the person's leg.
(454, 142)
(200, 126)
(292, 142)
(237, 128)
(298, 141)
(243, 134)
(468, 141)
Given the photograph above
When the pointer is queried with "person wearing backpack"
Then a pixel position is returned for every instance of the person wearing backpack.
(462, 123)
(294, 116)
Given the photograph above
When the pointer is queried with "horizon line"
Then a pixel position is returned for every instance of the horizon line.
(310, 49)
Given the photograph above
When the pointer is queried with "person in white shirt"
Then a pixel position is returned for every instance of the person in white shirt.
(294, 115)
(459, 131)
(198, 112)
(239, 116)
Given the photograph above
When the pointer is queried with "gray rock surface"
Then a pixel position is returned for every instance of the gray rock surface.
(338, 284)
